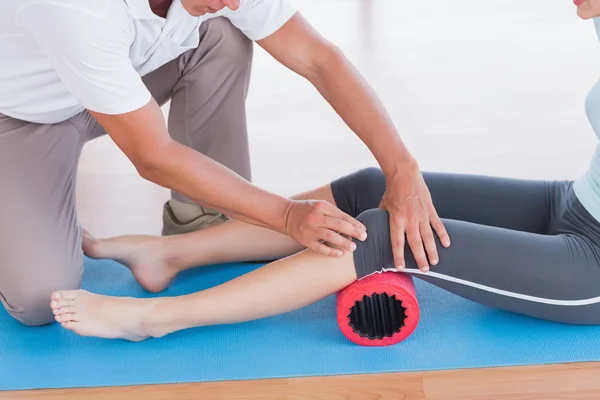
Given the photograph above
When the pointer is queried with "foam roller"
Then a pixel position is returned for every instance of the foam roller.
(378, 310)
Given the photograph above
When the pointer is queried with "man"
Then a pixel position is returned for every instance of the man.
(71, 71)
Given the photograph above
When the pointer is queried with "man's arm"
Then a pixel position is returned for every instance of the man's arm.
(143, 137)
(94, 65)
(303, 50)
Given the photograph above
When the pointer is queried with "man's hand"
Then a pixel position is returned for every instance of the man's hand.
(321, 227)
(412, 213)
(298, 46)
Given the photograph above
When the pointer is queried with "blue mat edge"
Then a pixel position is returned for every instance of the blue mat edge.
(324, 375)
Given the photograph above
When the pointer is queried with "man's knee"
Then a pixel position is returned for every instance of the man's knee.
(227, 42)
(28, 300)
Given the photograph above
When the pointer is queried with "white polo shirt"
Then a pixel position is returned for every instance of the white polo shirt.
(59, 57)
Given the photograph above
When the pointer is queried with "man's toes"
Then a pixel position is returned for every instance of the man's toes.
(69, 309)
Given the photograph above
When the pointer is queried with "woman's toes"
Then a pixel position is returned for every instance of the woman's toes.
(61, 303)
(64, 310)
(64, 318)
(69, 294)
(71, 325)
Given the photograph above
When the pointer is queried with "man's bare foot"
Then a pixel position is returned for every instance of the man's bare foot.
(147, 257)
(89, 314)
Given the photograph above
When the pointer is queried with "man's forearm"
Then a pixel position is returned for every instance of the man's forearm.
(360, 108)
(143, 137)
(209, 183)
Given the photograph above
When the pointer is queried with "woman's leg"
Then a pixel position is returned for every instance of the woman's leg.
(156, 260)
(510, 203)
(284, 285)
(549, 277)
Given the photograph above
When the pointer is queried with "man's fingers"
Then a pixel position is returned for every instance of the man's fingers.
(413, 235)
(320, 248)
(440, 230)
(397, 238)
(336, 239)
(429, 242)
(345, 228)
(354, 221)
(333, 211)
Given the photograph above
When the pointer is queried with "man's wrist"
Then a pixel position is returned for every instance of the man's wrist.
(397, 162)
(274, 213)
(279, 214)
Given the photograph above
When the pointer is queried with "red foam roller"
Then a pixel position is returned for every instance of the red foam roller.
(378, 310)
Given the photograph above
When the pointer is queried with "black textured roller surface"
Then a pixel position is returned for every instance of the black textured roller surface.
(377, 316)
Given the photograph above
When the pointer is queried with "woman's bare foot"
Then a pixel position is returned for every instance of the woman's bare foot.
(107, 317)
(147, 257)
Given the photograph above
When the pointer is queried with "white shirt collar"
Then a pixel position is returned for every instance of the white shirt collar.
(140, 9)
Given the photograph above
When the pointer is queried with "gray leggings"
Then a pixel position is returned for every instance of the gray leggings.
(524, 246)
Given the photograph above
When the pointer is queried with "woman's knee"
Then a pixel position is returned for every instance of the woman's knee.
(375, 253)
(27, 299)
(359, 191)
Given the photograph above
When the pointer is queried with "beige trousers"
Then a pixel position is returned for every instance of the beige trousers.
(40, 237)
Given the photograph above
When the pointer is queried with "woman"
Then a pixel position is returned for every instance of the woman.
(530, 247)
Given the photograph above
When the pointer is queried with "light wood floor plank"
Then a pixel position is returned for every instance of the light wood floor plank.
(568, 381)
(364, 387)
(575, 381)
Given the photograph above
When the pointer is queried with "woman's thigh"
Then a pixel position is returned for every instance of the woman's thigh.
(525, 205)
(552, 277)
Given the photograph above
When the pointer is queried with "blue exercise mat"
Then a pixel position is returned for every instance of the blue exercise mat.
(453, 333)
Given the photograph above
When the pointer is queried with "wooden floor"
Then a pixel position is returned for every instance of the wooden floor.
(488, 87)
(556, 382)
